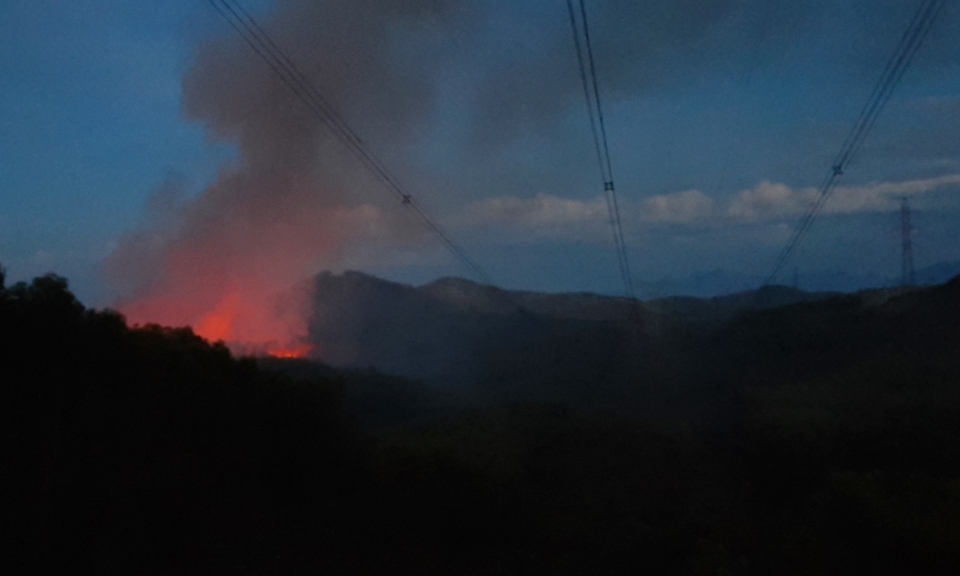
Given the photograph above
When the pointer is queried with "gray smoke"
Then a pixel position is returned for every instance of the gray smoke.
(440, 90)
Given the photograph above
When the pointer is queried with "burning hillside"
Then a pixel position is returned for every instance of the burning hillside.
(223, 258)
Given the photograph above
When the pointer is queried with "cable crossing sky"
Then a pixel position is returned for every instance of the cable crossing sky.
(591, 92)
(264, 46)
(910, 43)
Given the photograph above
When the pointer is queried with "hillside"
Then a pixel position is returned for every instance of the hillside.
(502, 345)
(151, 451)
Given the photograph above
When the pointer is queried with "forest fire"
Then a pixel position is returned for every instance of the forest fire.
(233, 258)
(249, 320)
(300, 353)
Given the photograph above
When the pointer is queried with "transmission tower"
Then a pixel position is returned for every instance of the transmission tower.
(907, 277)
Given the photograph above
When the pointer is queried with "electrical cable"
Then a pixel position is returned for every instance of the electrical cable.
(910, 43)
(591, 92)
(283, 66)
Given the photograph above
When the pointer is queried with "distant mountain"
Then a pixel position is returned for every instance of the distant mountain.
(464, 295)
(454, 333)
(937, 273)
(718, 283)
(724, 308)
(814, 338)
(457, 296)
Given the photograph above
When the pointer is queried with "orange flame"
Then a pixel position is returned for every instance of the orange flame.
(218, 325)
(302, 352)
(248, 320)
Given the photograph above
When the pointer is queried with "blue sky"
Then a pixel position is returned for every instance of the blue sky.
(92, 124)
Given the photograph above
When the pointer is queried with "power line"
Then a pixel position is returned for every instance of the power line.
(591, 92)
(910, 43)
(263, 45)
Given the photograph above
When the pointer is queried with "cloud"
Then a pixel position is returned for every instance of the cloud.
(768, 201)
(541, 217)
(295, 202)
(549, 217)
(680, 208)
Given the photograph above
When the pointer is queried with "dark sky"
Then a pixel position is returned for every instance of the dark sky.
(132, 132)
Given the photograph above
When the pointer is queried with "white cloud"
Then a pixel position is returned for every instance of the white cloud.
(541, 216)
(548, 216)
(768, 201)
(680, 208)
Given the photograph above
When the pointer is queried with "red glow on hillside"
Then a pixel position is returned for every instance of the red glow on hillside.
(249, 320)
(304, 351)
(218, 325)
(240, 279)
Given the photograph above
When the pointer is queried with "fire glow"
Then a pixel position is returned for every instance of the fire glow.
(232, 259)
(302, 352)
(249, 322)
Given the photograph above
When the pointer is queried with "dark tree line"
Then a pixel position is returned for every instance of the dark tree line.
(151, 451)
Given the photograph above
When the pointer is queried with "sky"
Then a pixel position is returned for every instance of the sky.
(149, 156)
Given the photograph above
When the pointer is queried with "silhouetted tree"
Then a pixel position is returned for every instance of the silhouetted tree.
(152, 451)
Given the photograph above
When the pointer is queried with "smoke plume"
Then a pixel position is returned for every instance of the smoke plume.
(435, 87)
(225, 261)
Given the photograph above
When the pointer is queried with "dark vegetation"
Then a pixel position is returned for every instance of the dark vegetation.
(150, 451)
(496, 347)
